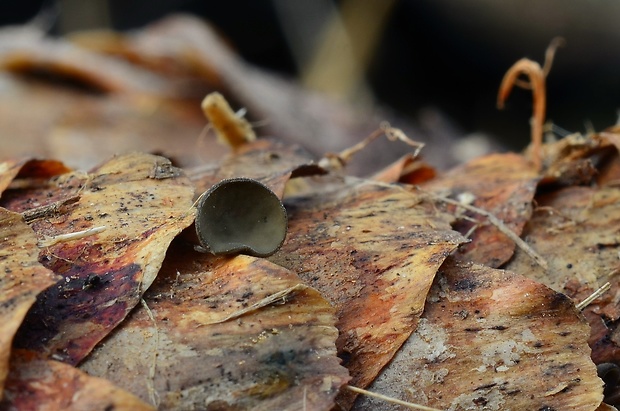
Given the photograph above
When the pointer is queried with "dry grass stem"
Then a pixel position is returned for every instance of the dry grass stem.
(390, 399)
(270, 299)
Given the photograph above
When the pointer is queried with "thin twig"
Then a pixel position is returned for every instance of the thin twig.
(341, 159)
(49, 241)
(390, 399)
(270, 299)
(596, 294)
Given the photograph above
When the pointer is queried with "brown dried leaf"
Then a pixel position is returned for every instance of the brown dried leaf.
(572, 160)
(83, 129)
(108, 245)
(268, 161)
(408, 170)
(576, 230)
(491, 340)
(211, 344)
(29, 171)
(21, 279)
(502, 184)
(45, 385)
(27, 50)
(372, 250)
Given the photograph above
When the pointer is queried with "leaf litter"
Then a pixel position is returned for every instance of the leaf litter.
(232, 333)
(491, 339)
(371, 249)
(107, 246)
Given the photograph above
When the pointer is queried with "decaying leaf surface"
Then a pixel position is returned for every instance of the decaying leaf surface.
(268, 161)
(22, 278)
(46, 385)
(576, 230)
(29, 169)
(372, 250)
(200, 350)
(493, 340)
(502, 184)
(407, 170)
(108, 245)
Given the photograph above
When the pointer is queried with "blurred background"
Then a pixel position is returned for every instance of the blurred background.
(421, 58)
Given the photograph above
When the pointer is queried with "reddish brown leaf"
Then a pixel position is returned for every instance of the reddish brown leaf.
(125, 214)
(407, 170)
(196, 353)
(21, 279)
(493, 340)
(45, 385)
(502, 184)
(372, 250)
(29, 170)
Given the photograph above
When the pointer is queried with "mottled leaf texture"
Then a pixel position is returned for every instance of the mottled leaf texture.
(576, 230)
(215, 340)
(46, 385)
(502, 184)
(120, 220)
(372, 250)
(493, 340)
(269, 161)
(22, 277)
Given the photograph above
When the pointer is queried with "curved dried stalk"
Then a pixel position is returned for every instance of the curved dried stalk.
(536, 76)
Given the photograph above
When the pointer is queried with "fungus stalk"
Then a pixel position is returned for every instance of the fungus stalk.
(536, 77)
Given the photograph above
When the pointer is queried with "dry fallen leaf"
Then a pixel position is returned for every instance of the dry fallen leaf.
(23, 277)
(29, 170)
(45, 385)
(271, 162)
(372, 250)
(225, 333)
(575, 229)
(107, 243)
(493, 340)
(502, 184)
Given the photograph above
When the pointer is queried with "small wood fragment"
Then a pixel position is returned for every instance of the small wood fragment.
(231, 129)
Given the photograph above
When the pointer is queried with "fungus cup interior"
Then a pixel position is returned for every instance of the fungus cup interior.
(241, 215)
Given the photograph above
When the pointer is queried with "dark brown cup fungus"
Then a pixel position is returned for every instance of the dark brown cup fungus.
(241, 215)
